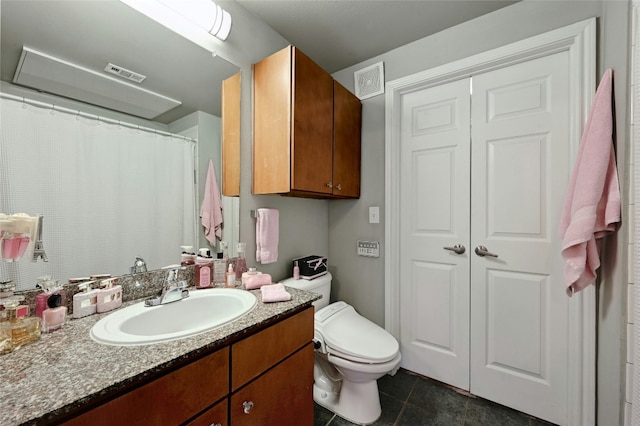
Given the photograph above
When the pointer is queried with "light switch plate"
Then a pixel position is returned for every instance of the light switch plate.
(368, 248)
(374, 214)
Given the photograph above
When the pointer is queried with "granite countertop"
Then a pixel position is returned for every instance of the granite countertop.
(67, 369)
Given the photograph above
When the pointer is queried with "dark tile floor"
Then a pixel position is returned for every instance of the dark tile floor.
(411, 400)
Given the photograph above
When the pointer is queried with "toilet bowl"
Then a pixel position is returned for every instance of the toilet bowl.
(352, 353)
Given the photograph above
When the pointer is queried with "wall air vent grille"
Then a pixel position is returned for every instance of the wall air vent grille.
(369, 81)
(124, 73)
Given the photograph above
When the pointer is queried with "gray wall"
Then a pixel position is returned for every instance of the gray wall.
(360, 281)
(332, 228)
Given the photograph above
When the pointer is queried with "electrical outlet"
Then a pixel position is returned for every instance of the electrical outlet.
(368, 248)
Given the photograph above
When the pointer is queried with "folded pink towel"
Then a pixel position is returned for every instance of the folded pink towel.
(256, 281)
(592, 203)
(267, 230)
(211, 208)
(274, 293)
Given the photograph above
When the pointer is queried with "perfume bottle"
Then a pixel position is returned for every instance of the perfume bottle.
(296, 271)
(53, 318)
(109, 297)
(231, 277)
(16, 332)
(241, 262)
(49, 286)
(85, 303)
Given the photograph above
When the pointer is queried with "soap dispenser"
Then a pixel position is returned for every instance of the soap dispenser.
(109, 297)
(241, 262)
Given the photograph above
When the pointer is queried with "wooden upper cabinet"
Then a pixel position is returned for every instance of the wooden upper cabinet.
(295, 141)
(231, 136)
(347, 113)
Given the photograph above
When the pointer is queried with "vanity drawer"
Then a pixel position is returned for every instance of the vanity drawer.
(171, 399)
(214, 416)
(255, 354)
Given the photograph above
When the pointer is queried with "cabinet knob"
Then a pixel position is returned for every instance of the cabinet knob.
(330, 184)
(215, 424)
(339, 187)
(247, 406)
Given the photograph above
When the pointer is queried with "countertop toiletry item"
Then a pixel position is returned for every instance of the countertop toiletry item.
(231, 276)
(16, 331)
(204, 268)
(54, 316)
(139, 265)
(241, 262)
(109, 297)
(49, 286)
(296, 271)
(250, 272)
(85, 303)
(219, 269)
(257, 281)
(188, 257)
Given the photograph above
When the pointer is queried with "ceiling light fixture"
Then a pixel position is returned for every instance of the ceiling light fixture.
(195, 20)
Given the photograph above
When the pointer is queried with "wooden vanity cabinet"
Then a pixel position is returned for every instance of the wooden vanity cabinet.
(170, 399)
(264, 378)
(231, 136)
(304, 122)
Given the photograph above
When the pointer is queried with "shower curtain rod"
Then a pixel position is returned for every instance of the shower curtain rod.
(79, 113)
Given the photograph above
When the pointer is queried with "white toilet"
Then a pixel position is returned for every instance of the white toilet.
(352, 353)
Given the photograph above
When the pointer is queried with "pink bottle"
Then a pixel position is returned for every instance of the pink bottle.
(53, 318)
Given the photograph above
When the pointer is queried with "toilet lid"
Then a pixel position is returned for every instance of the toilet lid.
(349, 335)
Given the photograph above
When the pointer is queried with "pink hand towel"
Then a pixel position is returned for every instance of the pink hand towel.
(211, 209)
(592, 204)
(256, 281)
(267, 235)
(274, 293)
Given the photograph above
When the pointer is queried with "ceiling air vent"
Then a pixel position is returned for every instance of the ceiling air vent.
(369, 81)
(124, 73)
(53, 75)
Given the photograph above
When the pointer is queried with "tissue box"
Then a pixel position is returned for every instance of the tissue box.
(311, 266)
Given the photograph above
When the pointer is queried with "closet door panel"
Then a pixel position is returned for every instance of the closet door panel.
(435, 214)
(520, 163)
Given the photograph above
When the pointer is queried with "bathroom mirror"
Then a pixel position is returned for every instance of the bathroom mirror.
(93, 34)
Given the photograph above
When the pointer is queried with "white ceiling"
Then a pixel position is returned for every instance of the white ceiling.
(335, 34)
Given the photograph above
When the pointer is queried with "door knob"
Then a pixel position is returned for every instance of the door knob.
(482, 252)
(457, 249)
(247, 406)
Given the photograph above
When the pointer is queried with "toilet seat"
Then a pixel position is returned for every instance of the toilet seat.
(350, 336)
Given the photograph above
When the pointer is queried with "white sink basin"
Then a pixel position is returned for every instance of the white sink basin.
(202, 311)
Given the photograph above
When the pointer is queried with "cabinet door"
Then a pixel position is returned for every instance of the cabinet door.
(282, 396)
(272, 124)
(311, 127)
(347, 119)
(231, 136)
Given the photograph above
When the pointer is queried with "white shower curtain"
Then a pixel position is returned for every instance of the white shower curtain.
(109, 191)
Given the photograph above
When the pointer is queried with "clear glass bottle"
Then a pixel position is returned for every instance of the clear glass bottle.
(16, 331)
(241, 262)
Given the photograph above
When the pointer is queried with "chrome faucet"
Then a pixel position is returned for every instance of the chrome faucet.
(38, 249)
(138, 266)
(173, 290)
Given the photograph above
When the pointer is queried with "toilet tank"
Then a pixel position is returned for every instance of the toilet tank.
(320, 285)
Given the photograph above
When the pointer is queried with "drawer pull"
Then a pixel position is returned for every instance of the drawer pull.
(215, 424)
(247, 406)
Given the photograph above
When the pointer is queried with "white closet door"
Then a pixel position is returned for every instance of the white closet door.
(434, 291)
(520, 171)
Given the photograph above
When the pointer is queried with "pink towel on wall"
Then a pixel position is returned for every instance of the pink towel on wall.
(274, 293)
(211, 209)
(257, 281)
(592, 203)
(267, 235)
